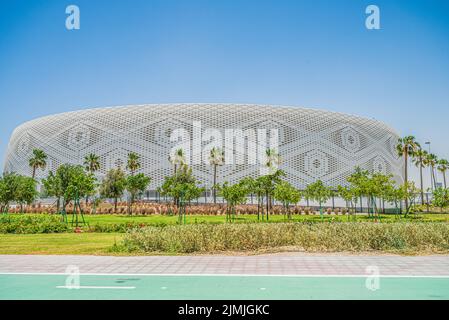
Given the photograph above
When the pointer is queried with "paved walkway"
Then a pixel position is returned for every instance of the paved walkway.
(274, 264)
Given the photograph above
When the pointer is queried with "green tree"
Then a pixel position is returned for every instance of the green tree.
(394, 195)
(318, 192)
(216, 158)
(409, 192)
(287, 195)
(268, 183)
(136, 184)
(379, 187)
(133, 163)
(255, 187)
(372, 186)
(359, 183)
(182, 187)
(113, 185)
(38, 161)
(69, 183)
(406, 147)
(443, 166)
(8, 190)
(440, 198)
(53, 188)
(350, 195)
(234, 195)
(81, 184)
(26, 191)
(420, 160)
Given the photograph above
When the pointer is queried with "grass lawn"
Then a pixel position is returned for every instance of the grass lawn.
(101, 243)
(159, 219)
(62, 243)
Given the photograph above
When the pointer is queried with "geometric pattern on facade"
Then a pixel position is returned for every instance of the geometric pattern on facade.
(313, 144)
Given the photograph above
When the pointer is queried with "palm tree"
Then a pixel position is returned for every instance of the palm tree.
(272, 160)
(177, 159)
(133, 163)
(92, 163)
(443, 166)
(406, 147)
(420, 160)
(38, 161)
(432, 161)
(216, 158)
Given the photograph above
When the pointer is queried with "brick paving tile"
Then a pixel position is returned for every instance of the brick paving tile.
(289, 264)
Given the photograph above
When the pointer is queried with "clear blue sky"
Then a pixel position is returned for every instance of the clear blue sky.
(302, 53)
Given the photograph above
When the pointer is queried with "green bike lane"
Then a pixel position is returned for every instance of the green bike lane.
(210, 287)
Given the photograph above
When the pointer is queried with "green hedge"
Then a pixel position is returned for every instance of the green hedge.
(14, 223)
(332, 237)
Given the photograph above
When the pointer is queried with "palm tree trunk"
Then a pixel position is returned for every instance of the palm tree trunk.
(444, 179)
(434, 178)
(406, 177)
(215, 182)
(422, 186)
(34, 172)
(268, 206)
(130, 204)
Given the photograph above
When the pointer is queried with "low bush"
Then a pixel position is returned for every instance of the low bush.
(120, 227)
(21, 223)
(331, 237)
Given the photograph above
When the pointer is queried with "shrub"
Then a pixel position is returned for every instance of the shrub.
(354, 236)
(120, 227)
(13, 223)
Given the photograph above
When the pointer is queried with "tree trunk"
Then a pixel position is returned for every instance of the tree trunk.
(115, 205)
(421, 179)
(406, 178)
(268, 206)
(215, 182)
(258, 208)
(434, 178)
(34, 173)
(444, 179)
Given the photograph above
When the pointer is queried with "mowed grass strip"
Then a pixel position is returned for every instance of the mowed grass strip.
(63, 243)
(159, 220)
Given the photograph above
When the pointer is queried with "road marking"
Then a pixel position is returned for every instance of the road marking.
(93, 287)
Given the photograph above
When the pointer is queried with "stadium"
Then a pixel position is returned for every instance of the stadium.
(313, 144)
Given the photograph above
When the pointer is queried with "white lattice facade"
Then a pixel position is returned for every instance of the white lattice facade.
(313, 144)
